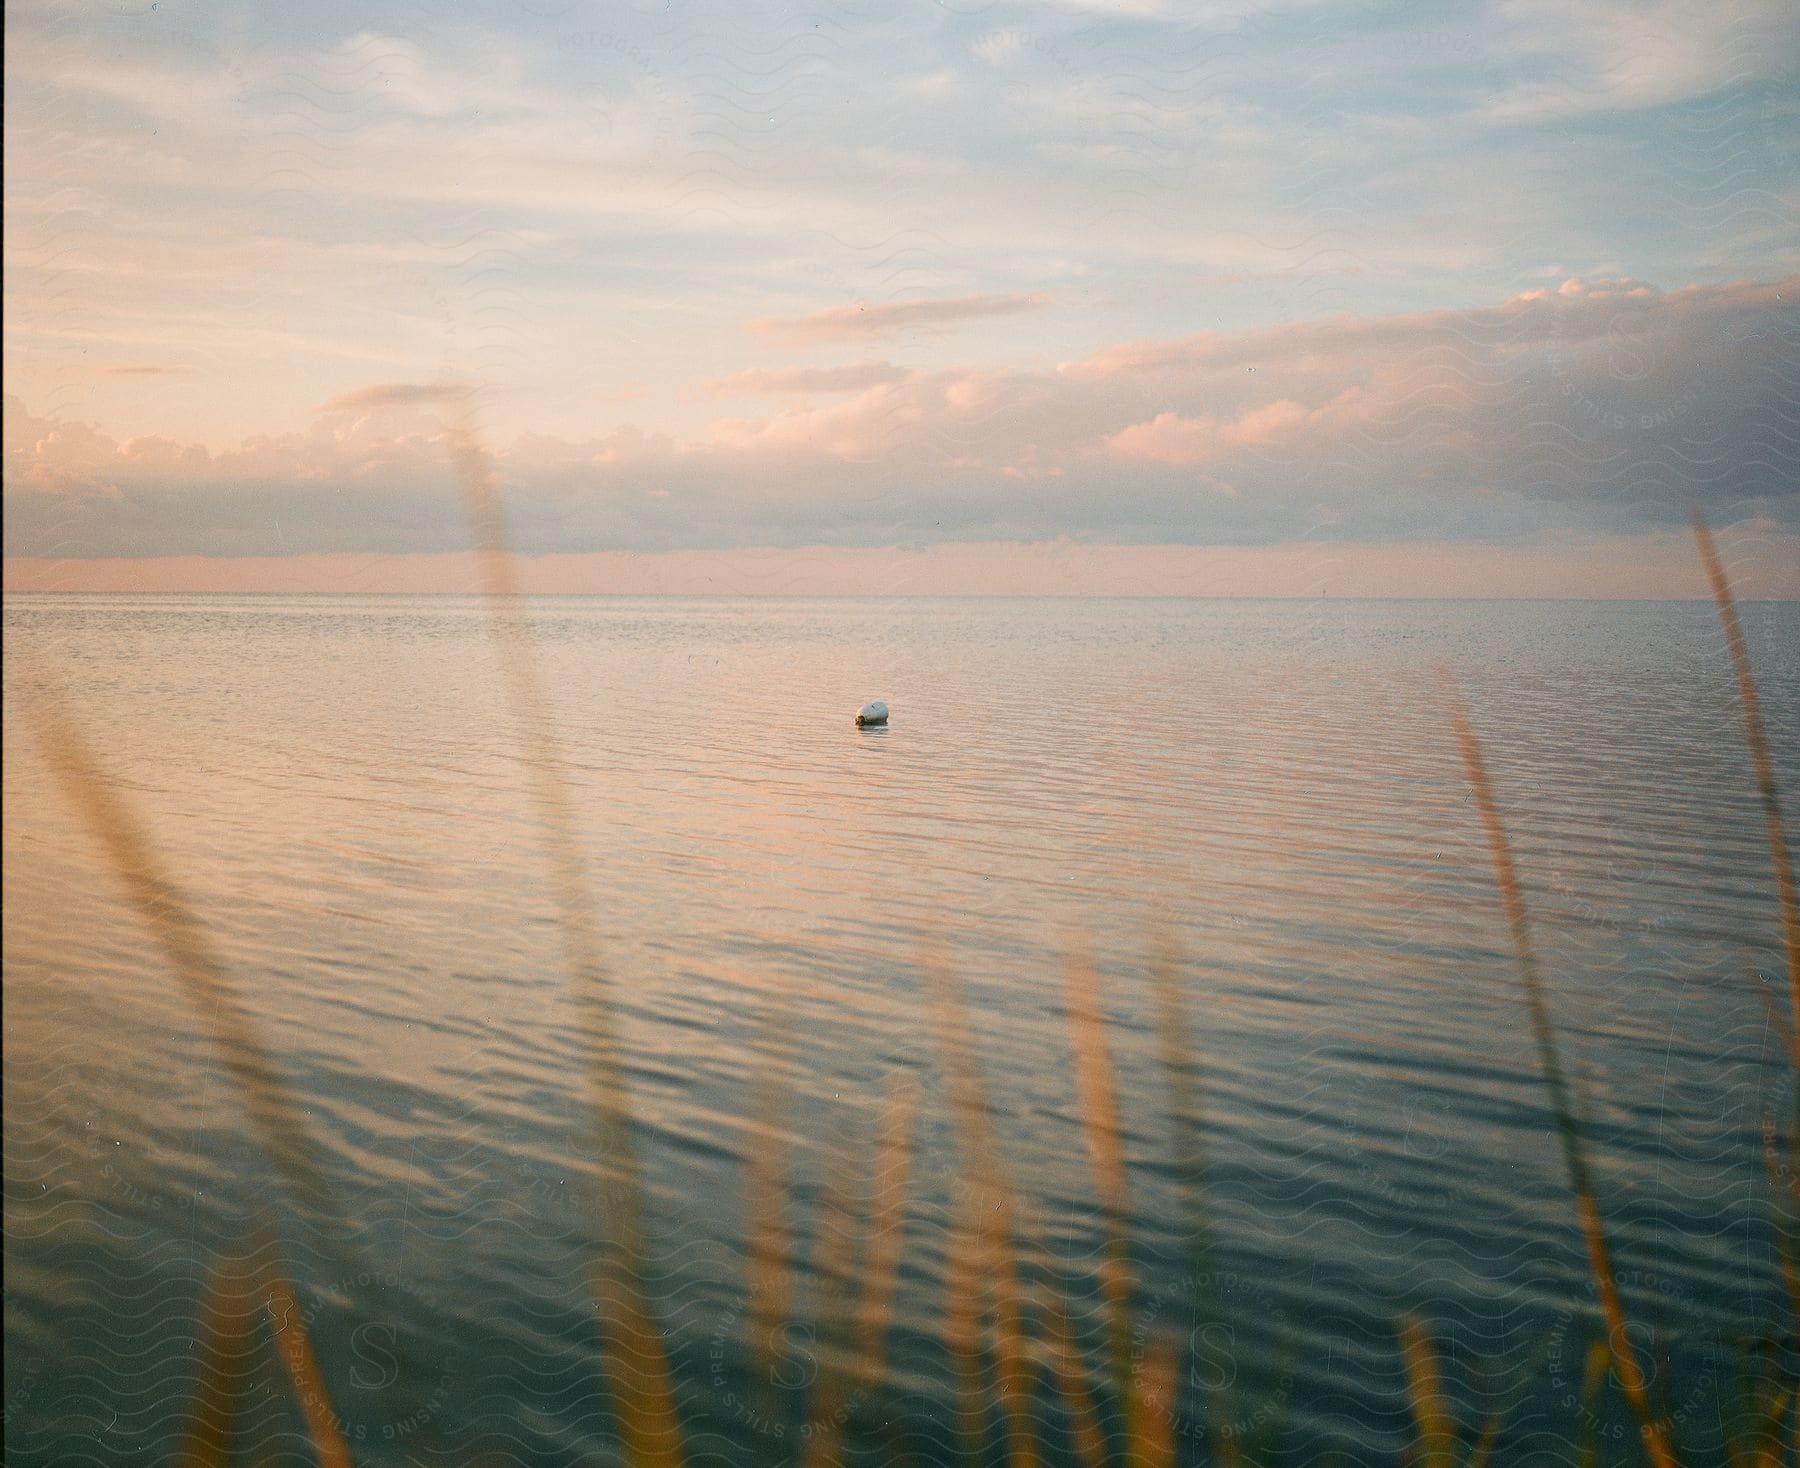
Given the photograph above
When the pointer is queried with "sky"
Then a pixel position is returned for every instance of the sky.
(1101, 296)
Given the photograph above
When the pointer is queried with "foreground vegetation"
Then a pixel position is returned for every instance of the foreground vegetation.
(1028, 1386)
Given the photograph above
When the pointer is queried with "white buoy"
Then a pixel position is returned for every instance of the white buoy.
(872, 713)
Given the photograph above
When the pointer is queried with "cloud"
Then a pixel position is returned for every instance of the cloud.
(1567, 317)
(1000, 48)
(1610, 57)
(303, 204)
(862, 322)
(1594, 406)
(1169, 438)
(853, 377)
(391, 395)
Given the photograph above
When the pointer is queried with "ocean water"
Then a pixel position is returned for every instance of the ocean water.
(344, 795)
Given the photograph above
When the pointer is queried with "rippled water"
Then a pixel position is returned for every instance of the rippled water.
(340, 787)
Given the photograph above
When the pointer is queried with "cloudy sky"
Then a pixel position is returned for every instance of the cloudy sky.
(1253, 295)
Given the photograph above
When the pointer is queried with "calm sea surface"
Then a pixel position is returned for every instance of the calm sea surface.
(341, 789)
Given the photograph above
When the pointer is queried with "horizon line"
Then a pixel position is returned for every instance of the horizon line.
(910, 596)
(1657, 565)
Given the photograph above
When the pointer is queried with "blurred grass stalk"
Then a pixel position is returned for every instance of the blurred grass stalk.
(985, 1242)
(768, 1246)
(882, 1217)
(1106, 1158)
(1758, 1442)
(224, 1347)
(984, 1238)
(129, 852)
(226, 1344)
(1651, 1427)
(1106, 1161)
(1147, 1394)
(1764, 767)
(294, 1347)
(1187, 1144)
(983, 1264)
(291, 1149)
(639, 1378)
(1435, 1444)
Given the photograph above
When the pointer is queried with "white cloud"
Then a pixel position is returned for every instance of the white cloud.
(1588, 406)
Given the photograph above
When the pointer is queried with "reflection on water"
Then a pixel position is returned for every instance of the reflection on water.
(338, 784)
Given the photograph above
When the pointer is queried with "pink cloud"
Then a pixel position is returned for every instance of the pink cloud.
(861, 322)
(154, 449)
(391, 395)
(1168, 438)
(1576, 312)
(853, 377)
(867, 424)
(1603, 403)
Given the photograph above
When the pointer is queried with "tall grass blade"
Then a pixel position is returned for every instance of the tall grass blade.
(768, 1250)
(160, 901)
(1150, 1429)
(1436, 1443)
(164, 907)
(1593, 1382)
(1782, 1203)
(1651, 1428)
(1149, 1394)
(962, 1327)
(1186, 1123)
(834, 1255)
(1758, 741)
(889, 1182)
(883, 1224)
(991, 1224)
(1484, 1445)
(998, 1239)
(1094, 1088)
(1106, 1158)
(1070, 1375)
(295, 1351)
(1754, 1430)
(643, 1394)
(1186, 1115)
(226, 1344)
(1782, 861)
(1510, 1396)
(1768, 1429)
